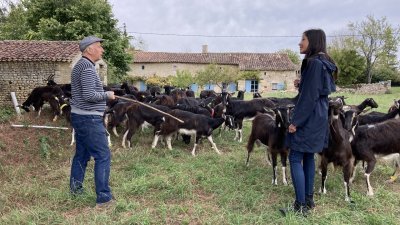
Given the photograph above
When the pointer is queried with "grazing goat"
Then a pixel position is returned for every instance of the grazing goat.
(39, 95)
(339, 150)
(270, 129)
(194, 124)
(377, 139)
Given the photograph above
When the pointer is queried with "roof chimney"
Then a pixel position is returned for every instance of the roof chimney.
(204, 49)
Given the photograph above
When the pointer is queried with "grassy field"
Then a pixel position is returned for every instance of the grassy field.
(172, 187)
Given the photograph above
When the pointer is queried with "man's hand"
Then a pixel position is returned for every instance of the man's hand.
(110, 95)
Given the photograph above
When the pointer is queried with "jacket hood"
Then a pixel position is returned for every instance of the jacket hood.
(329, 65)
(328, 81)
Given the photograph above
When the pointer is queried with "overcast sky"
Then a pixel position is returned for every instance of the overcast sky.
(282, 21)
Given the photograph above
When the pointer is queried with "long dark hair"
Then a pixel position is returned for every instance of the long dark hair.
(316, 45)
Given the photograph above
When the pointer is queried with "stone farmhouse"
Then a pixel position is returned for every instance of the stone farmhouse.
(276, 70)
(25, 65)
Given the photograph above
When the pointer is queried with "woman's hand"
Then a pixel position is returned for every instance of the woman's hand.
(292, 128)
(296, 83)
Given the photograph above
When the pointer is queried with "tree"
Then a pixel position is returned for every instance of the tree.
(183, 79)
(218, 75)
(12, 22)
(73, 20)
(351, 65)
(293, 56)
(377, 41)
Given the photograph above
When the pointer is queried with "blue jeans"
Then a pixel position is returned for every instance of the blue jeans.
(91, 140)
(302, 174)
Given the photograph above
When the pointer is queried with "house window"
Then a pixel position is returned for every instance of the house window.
(265, 73)
(254, 86)
(274, 86)
(142, 67)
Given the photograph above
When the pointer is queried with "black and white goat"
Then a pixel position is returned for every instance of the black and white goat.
(194, 124)
(138, 115)
(241, 110)
(270, 129)
(376, 139)
(339, 150)
(39, 95)
(368, 102)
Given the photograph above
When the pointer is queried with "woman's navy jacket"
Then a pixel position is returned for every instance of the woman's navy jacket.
(310, 115)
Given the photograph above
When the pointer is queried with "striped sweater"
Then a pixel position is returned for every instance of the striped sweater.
(88, 96)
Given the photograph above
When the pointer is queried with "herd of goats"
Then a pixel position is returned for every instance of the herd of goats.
(355, 134)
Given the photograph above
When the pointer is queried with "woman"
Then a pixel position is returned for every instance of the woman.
(308, 131)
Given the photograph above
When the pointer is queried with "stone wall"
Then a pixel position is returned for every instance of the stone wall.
(375, 88)
(22, 77)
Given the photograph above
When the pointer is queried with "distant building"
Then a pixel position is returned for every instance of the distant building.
(25, 65)
(276, 70)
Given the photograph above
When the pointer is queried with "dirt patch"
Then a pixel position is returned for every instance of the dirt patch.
(22, 145)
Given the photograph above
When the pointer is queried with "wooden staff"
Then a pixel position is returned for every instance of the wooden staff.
(150, 107)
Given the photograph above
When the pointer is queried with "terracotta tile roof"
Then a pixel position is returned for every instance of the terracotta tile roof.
(245, 61)
(54, 51)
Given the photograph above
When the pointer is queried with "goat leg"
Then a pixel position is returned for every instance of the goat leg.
(274, 163)
(368, 171)
(324, 172)
(347, 172)
(283, 162)
(214, 146)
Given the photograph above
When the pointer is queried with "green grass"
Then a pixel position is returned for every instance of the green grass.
(160, 186)
(6, 113)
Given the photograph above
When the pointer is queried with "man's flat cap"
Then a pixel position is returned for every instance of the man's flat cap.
(88, 41)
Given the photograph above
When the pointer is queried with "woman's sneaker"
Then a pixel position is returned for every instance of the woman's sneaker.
(296, 208)
(310, 202)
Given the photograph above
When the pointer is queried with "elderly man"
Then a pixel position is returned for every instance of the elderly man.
(88, 103)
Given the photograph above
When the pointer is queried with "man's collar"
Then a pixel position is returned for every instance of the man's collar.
(89, 60)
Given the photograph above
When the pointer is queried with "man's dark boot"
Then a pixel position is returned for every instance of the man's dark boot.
(310, 202)
(296, 208)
